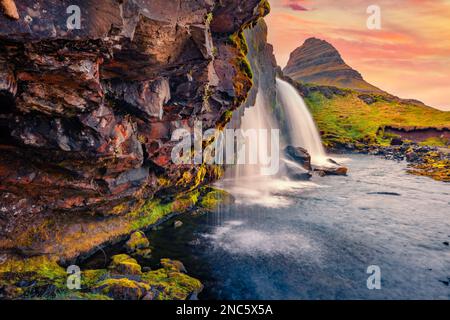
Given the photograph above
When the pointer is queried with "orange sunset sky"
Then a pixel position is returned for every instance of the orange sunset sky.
(408, 57)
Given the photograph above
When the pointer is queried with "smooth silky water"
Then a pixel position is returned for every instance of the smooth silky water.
(319, 243)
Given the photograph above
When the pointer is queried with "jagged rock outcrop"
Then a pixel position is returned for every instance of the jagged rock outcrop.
(318, 62)
(263, 64)
(86, 115)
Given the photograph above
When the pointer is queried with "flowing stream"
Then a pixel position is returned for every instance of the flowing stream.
(320, 240)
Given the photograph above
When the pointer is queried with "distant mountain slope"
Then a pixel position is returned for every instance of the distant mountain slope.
(317, 61)
(348, 117)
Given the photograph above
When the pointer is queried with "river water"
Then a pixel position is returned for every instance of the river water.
(320, 240)
(316, 240)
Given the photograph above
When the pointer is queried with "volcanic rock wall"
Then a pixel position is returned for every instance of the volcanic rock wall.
(87, 115)
(263, 65)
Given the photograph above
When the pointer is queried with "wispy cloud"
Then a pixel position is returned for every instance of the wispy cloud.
(295, 5)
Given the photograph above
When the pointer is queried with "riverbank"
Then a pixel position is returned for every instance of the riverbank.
(429, 161)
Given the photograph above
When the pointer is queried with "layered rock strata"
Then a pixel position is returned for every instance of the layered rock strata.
(90, 94)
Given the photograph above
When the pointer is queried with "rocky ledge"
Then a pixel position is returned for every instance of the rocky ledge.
(87, 115)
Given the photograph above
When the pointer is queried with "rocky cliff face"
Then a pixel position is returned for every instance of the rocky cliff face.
(86, 115)
(318, 62)
(263, 64)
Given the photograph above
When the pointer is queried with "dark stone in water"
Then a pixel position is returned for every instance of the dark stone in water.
(331, 171)
(333, 162)
(396, 142)
(299, 155)
(385, 193)
(447, 283)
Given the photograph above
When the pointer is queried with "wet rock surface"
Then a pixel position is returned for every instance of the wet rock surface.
(299, 155)
(87, 114)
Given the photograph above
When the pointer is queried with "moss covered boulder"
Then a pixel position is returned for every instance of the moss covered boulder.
(137, 241)
(170, 283)
(123, 264)
(138, 245)
(42, 278)
(213, 198)
(173, 265)
(434, 164)
(122, 289)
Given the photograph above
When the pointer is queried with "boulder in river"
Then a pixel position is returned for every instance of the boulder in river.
(299, 155)
(331, 171)
(334, 169)
(397, 141)
(137, 240)
(123, 264)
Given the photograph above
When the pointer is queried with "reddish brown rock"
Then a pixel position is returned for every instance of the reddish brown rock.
(86, 115)
(9, 8)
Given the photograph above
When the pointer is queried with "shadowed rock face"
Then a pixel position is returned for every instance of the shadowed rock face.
(317, 61)
(86, 116)
(264, 66)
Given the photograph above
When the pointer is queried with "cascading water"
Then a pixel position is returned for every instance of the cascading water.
(246, 181)
(302, 129)
(255, 118)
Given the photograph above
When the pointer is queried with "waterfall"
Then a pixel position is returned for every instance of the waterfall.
(245, 181)
(302, 129)
(258, 118)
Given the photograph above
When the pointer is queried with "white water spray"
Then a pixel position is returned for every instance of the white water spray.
(302, 129)
(256, 118)
(246, 182)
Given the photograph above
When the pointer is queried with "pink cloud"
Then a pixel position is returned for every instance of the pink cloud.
(294, 5)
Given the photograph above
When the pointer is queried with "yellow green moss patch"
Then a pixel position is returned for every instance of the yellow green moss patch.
(124, 265)
(172, 285)
(122, 289)
(137, 241)
(433, 166)
(40, 269)
(213, 198)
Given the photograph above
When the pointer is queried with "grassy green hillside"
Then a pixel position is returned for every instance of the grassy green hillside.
(348, 119)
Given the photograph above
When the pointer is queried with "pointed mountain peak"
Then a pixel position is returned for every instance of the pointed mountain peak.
(317, 61)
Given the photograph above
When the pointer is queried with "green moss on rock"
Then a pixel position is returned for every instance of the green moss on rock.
(137, 241)
(212, 198)
(40, 269)
(122, 289)
(124, 265)
(170, 283)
